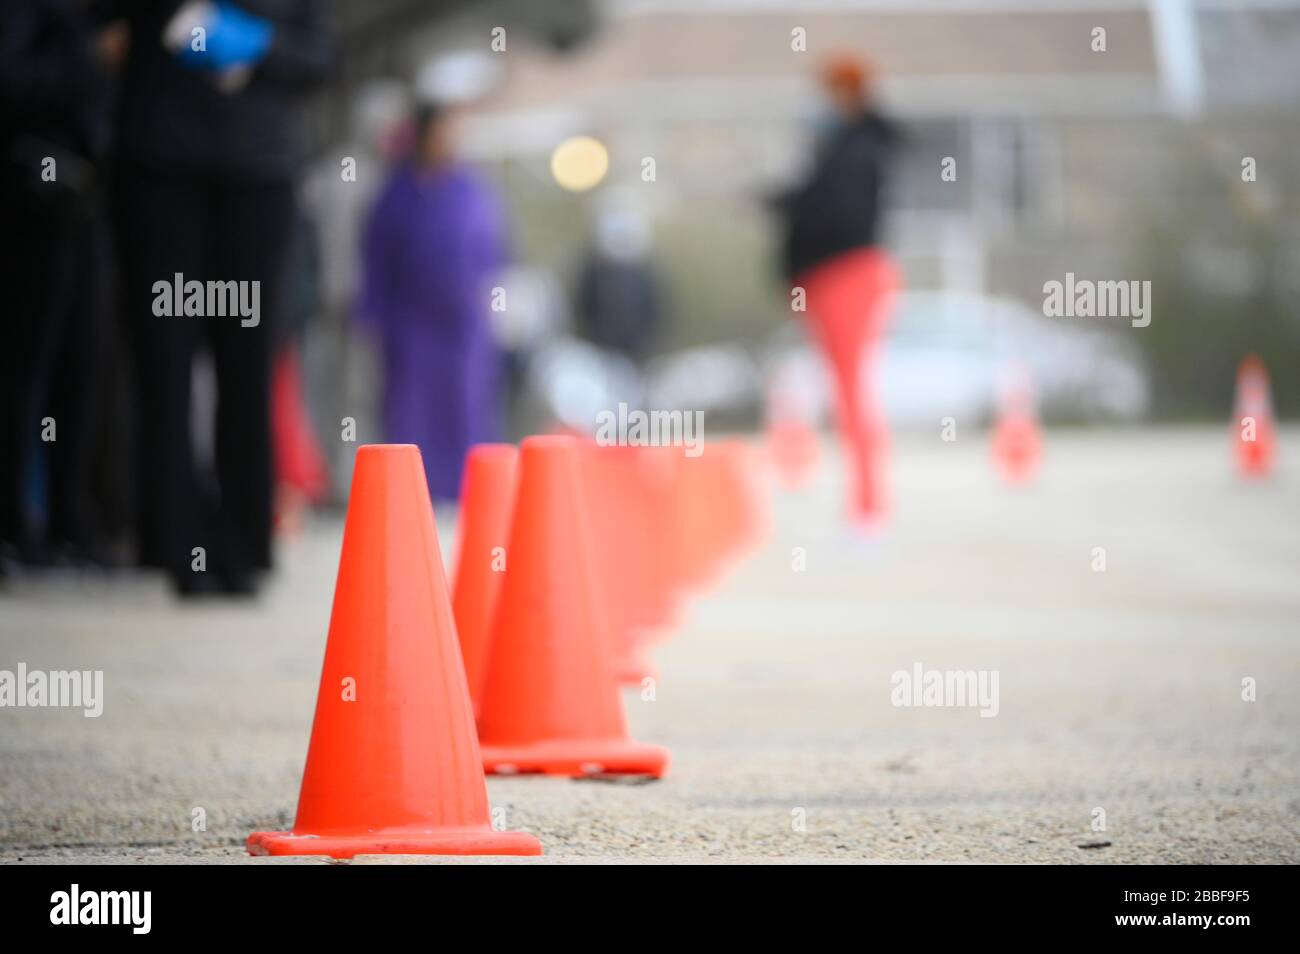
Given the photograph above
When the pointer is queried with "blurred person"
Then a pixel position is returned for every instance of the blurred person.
(831, 231)
(619, 301)
(56, 59)
(432, 243)
(209, 145)
(301, 473)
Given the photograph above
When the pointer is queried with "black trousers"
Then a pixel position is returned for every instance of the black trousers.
(207, 229)
(53, 326)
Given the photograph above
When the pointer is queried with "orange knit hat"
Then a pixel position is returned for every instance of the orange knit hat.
(846, 73)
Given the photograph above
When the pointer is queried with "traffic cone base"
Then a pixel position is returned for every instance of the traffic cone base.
(1017, 449)
(444, 841)
(1253, 406)
(574, 758)
(1255, 460)
(633, 666)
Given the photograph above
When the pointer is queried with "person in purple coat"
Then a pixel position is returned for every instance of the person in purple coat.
(433, 243)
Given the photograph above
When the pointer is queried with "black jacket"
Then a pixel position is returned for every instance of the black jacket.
(838, 208)
(619, 305)
(175, 118)
(53, 93)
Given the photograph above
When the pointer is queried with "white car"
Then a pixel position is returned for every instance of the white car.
(944, 354)
(948, 354)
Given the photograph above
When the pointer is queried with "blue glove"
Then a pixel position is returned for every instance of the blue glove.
(234, 38)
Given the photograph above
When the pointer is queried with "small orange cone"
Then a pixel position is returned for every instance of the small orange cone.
(550, 701)
(486, 501)
(794, 451)
(791, 441)
(1017, 437)
(1255, 430)
(393, 766)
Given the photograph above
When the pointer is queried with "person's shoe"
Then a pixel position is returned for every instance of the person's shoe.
(237, 583)
(214, 584)
(865, 535)
(189, 584)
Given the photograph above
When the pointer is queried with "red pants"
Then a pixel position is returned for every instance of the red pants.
(849, 301)
(299, 461)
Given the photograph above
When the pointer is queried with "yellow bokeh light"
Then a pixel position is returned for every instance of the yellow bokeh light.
(579, 164)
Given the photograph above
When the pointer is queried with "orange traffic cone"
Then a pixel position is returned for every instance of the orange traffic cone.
(550, 701)
(791, 440)
(1255, 430)
(720, 511)
(697, 549)
(486, 500)
(1017, 438)
(794, 451)
(623, 563)
(656, 471)
(393, 766)
(742, 498)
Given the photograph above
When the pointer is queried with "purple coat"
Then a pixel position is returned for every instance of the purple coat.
(432, 245)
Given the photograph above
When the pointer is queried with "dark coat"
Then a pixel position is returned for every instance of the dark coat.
(838, 208)
(53, 93)
(176, 118)
(619, 305)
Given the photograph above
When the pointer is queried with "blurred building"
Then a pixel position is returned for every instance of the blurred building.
(1116, 155)
(1122, 162)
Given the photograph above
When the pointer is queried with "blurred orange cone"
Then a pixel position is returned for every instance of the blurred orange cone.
(791, 441)
(743, 499)
(486, 501)
(656, 472)
(794, 451)
(720, 513)
(697, 546)
(1255, 429)
(393, 766)
(550, 701)
(625, 574)
(1017, 437)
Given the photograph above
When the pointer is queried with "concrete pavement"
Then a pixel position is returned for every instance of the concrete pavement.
(1118, 690)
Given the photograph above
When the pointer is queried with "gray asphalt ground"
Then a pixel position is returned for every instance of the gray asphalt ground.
(1119, 690)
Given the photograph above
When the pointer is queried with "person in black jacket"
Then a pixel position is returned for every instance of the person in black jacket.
(846, 282)
(208, 146)
(55, 62)
(619, 298)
